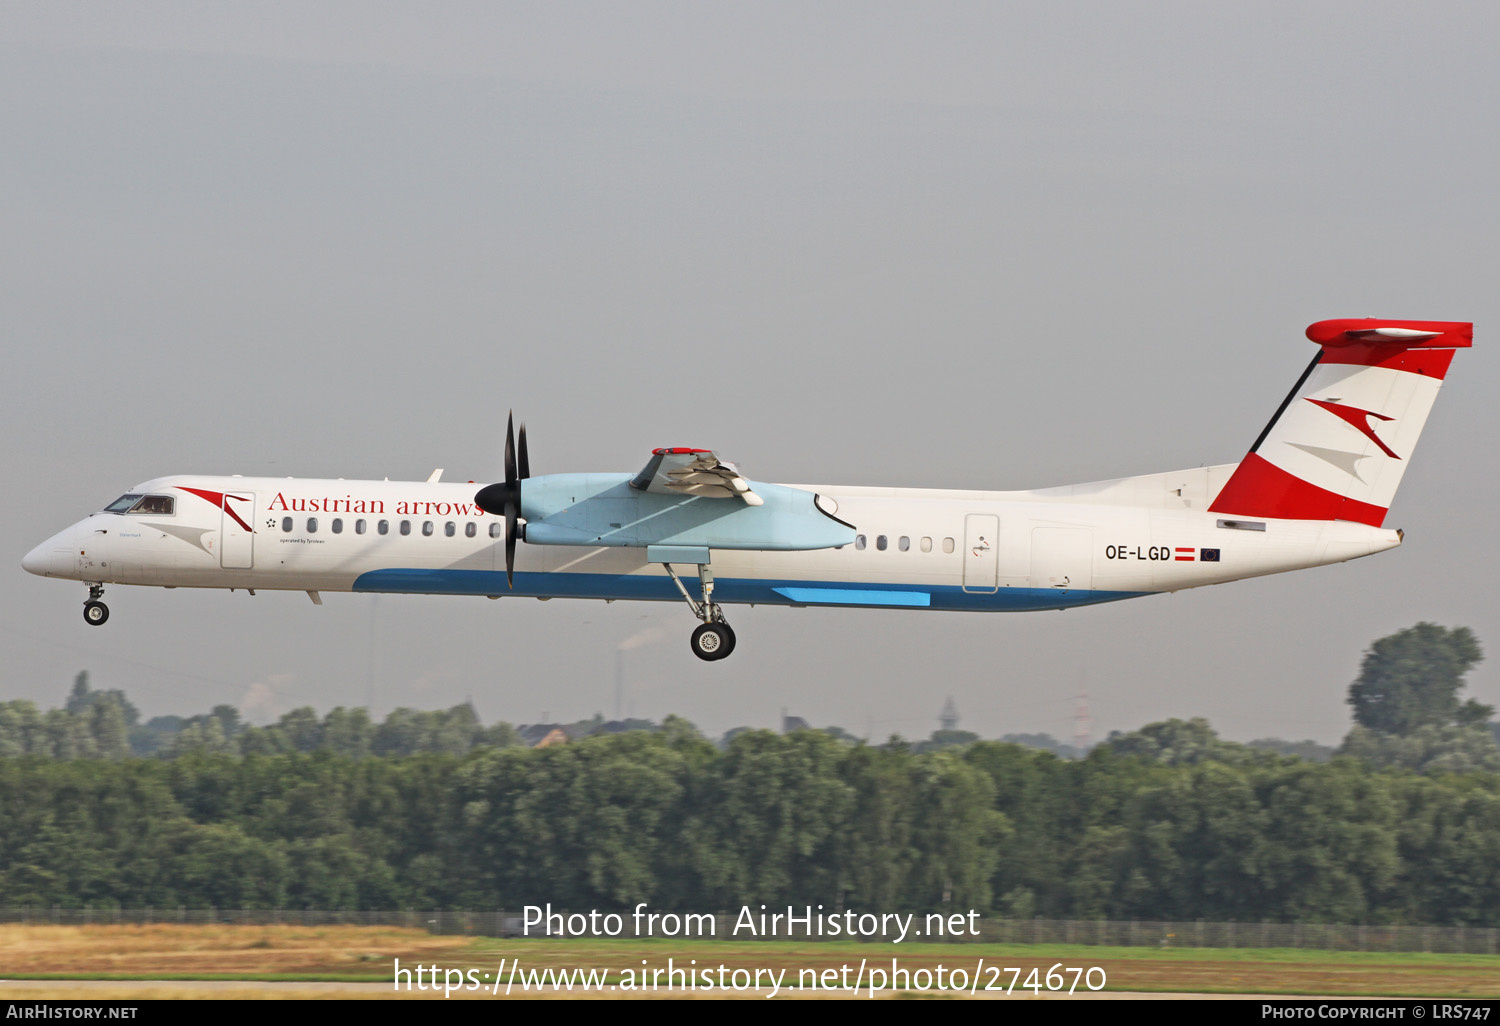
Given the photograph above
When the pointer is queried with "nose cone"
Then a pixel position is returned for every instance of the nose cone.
(36, 561)
(56, 556)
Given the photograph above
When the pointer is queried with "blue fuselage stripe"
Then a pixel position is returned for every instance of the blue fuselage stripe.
(731, 590)
(856, 597)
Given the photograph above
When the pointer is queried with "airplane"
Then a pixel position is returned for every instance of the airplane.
(1314, 489)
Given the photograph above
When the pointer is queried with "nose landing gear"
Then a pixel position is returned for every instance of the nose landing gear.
(714, 638)
(94, 611)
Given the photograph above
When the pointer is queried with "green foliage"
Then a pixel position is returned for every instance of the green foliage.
(941, 739)
(407, 732)
(731, 734)
(960, 834)
(1309, 750)
(1407, 708)
(1450, 748)
(1411, 679)
(1179, 743)
(434, 809)
(82, 698)
(669, 819)
(1045, 742)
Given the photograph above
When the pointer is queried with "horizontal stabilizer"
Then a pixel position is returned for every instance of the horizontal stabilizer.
(1408, 334)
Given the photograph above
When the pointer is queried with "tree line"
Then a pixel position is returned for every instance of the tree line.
(671, 819)
(105, 724)
(435, 810)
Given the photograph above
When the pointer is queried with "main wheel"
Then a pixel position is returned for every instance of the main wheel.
(712, 641)
(95, 613)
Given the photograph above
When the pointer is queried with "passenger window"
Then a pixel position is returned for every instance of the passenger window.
(383, 527)
(471, 529)
(286, 524)
(312, 525)
(905, 544)
(359, 527)
(495, 529)
(450, 529)
(880, 542)
(947, 544)
(859, 542)
(926, 544)
(406, 527)
(337, 526)
(427, 528)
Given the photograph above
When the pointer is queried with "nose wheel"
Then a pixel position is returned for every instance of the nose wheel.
(94, 611)
(714, 638)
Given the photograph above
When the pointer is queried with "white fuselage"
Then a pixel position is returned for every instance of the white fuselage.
(916, 548)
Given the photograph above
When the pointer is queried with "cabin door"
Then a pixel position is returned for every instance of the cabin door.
(981, 553)
(237, 531)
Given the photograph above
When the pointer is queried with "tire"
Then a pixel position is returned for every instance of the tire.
(711, 641)
(729, 640)
(95, 613)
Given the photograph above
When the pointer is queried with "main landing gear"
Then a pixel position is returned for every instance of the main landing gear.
(714, 638)
(94, 611)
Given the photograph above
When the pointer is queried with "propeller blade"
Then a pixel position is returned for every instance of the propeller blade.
(504, 497)
(510, 547)
(510, 448)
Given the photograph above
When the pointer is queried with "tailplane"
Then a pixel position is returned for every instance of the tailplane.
(1338, 446)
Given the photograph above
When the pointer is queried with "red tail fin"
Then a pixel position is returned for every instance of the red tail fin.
(1339, 444)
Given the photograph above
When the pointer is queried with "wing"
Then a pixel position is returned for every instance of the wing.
(697, 472)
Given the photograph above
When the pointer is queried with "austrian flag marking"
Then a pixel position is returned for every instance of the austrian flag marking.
(1186, 555)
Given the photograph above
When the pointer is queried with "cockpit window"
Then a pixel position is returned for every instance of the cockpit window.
(161, 505)
(158, 505)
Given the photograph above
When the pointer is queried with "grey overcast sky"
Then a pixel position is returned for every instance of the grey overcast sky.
(995, 245)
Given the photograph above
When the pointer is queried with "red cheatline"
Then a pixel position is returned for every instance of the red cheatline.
(1184, 559)
(217, 498)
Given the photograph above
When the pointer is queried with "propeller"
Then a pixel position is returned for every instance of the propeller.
(504, 498)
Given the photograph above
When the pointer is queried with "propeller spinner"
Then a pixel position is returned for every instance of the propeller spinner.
(504, 498)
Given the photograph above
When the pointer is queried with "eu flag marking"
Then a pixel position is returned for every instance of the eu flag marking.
(1208, 555)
